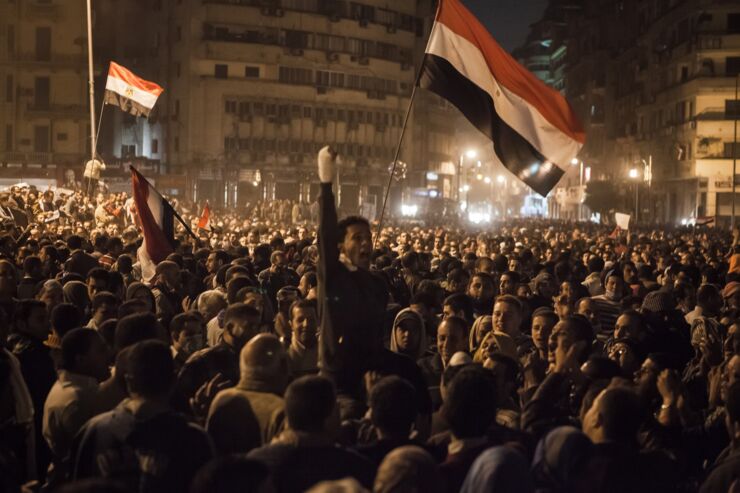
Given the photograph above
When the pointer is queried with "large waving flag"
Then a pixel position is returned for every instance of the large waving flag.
(131, 93)
(156, 218)
(534, 131)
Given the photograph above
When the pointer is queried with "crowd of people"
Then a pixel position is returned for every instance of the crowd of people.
(274, 356)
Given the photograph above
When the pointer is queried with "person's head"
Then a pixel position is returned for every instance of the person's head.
(629, 325)
(544, 285)
(114, 246)
(136, 328)
(309, 404)
(32, 267)
(32, 319)
(471, 403)
(458, 305)
(481, 287)
(709, 298)
(615, 416)
(457, 281)
(570, 331)
(285, 298)
(232, 474)
(355, 240)
(451, 338)
(84, 352)
(613, 286)
(263, 359)
(595, 264)
(543, 321)
(215, 260)
(505, 371)
(241, 323)
(507, 315)
(65, 317)
(150, 371)
(137, 290)
(52, 293)
(393, 407)
(499, 469)
(8, 279)
(97, 281)
(104, 306)
(187, 332)
(168, 274)
(308, 281)
(210, 303)
(408, 469)
(304, 322)
(587, 308)
(646, 377)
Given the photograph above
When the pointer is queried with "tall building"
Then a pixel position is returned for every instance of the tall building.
(254, 88)
(44, 119)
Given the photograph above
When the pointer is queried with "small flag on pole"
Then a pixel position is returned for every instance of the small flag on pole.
(705, 221)
(204, 223)
(534, 131)
(156, 218)
(130, 93)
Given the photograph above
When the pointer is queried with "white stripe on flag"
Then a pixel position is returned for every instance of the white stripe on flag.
(518, 113)
(126, 90)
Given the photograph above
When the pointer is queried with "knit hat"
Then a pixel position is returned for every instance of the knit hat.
(658, 301)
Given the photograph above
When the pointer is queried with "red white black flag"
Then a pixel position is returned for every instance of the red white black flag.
(130, 93)
(156, 219)
(534, 131)
(204, 222)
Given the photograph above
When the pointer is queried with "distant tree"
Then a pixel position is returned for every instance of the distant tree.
(602, 197)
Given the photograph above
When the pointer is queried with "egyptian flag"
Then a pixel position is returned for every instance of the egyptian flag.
(534, 131)
(129, 92)
(156, 219)
(705, 221)
(204, 223)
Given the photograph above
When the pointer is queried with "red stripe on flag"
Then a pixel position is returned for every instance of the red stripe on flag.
(157, 244)
(120, 72)
(508, 72)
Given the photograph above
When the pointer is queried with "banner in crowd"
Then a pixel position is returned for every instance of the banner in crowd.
(534, 131)
(130, 93)
(623, 220)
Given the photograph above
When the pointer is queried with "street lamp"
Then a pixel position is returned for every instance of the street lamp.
(500, 178)
(471, 154)
(634, 174)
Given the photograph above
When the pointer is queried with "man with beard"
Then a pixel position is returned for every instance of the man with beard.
(607, 304)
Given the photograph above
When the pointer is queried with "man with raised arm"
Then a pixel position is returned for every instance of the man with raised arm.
(352, 300)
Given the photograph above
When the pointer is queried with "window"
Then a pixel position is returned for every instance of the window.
(221, 71)
(253, 72)
(177, 108)
(306, 112)
(177, 69)
(9, 137)
(155, 146)
(62, 136)
(11, 39)
(128, 150)
(733, 22)
(177, 144)
(684, 74)
(43, 44)
(290, 75)
(41, 93)
(244, 108)
(728, 150)
(178, 33)
(229, 106)
(732, 66)
(41, 138)
(9, 89)
(732, 109)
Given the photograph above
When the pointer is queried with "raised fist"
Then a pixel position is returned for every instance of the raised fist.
(327, 158)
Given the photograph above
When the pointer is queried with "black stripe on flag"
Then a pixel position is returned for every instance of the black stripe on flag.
(126, 104)
(514, 151)
(168, 222)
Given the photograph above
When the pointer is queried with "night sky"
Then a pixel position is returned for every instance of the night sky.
(507, 20)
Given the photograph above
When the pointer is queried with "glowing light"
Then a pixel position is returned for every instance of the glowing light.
(479, 217)
(487, 180)
(574, 161)
(432, 176)
(433, 194)
(471, 154)
(466, 188)
(633, 173)
(479, 177)
(500, 178)
(409, 210)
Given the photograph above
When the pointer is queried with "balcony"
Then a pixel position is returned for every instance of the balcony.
(57, 60)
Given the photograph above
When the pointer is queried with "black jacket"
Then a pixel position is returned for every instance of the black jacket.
(351, 308)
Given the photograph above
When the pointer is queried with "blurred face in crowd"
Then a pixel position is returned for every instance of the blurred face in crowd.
(407, 334)
(191, 338)
(625, 357)
(646, 378)
(95, 286)
(304, 323)
(144, 295)
(450, 340)
(212, 263)
(541, 330)
(613, 288)
(256, 301)
(449, 311)
(507, 318)
(507, 285)
(37, 324)
(627, 327)
(730, 375)
(8, 283)
(358, 245)
(587, 308)
(480, 289)
(515, 265)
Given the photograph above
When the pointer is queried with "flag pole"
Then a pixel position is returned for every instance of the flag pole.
(403, 131)
(91, 82)
(100, 121)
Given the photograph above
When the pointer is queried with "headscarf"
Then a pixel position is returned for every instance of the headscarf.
(503, 343)
(482, 323)
(559, 455)
(499, 469)
(407, 468)
(75, 292)
(409, 314)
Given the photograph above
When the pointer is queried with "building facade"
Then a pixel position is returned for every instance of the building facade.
(44, 118)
